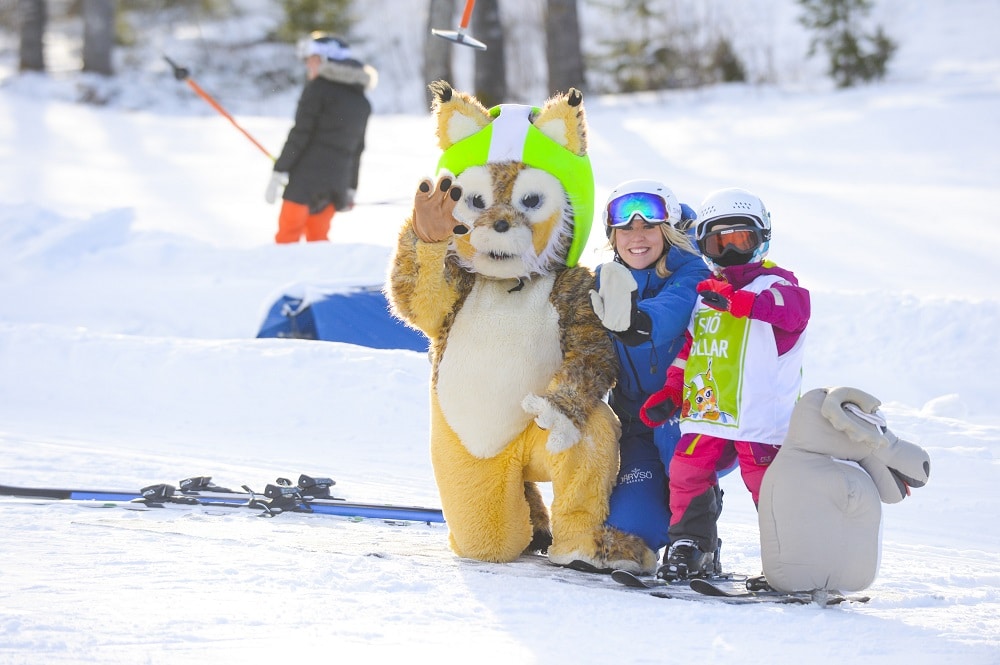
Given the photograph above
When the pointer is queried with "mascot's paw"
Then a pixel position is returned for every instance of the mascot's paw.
(612, 550)
(626, 551)
(541, 526)
(563, 434)
(540, 542)
(433, 208)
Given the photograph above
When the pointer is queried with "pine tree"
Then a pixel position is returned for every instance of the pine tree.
(305, 16)
(853, 55)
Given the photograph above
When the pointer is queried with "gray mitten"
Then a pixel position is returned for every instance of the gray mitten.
(278, 179)
(614, 301)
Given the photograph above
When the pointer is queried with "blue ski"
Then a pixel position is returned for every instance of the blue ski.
(275, 499)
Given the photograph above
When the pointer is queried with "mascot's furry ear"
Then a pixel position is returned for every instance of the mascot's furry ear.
(562, 120)
(460, 115)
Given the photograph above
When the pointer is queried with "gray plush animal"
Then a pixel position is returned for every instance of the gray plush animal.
(820, 509)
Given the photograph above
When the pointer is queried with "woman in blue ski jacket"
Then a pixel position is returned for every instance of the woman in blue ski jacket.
(645, 298)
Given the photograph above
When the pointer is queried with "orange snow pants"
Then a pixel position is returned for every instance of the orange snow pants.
(295, 221)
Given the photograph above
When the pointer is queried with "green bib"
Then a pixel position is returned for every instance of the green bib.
(714, 370)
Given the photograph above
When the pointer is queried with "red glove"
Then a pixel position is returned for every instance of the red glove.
(720, 295)
(660, 406)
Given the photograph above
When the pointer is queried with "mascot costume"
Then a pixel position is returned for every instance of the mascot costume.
(486, 268)
(820, 510)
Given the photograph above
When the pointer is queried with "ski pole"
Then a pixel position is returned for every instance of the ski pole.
(467, 14)
(459, 36)
(182, 74)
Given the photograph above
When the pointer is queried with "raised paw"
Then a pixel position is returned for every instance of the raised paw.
(433, 206)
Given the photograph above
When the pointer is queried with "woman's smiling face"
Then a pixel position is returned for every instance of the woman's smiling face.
(640, 244)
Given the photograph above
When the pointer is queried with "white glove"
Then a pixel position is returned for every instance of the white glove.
(563, 434)
(349, 199)
(613, 303)
(278, 179)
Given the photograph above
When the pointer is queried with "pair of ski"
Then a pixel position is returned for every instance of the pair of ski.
(309, 495)
(731, 588)
(312, 495)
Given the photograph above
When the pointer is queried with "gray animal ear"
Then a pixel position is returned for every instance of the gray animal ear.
(854, 412)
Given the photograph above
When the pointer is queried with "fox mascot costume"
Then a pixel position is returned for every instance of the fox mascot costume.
(486, 267)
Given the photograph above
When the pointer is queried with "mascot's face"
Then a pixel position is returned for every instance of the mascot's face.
(519, 219)
(527, 187)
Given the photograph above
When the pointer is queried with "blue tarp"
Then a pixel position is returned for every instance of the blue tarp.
(358, 316)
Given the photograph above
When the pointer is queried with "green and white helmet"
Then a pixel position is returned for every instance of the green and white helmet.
(512, 137)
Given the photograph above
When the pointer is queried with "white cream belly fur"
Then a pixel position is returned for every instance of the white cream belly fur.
(507, 346)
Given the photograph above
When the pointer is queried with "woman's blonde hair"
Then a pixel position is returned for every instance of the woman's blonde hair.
(672, 237)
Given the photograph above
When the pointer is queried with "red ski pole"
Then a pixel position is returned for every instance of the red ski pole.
(467, 14)
(182, 74)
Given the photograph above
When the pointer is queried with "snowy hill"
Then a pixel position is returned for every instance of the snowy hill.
(136, 264)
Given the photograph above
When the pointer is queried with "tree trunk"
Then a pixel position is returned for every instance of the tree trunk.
(562, 49)
(437, 51)
(491, 70)
(98, 35)
(33, 19)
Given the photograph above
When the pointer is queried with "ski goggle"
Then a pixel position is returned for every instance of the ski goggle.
(651, 208)
(742, 239)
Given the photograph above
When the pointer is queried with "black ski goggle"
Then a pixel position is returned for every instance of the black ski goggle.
(741, 239)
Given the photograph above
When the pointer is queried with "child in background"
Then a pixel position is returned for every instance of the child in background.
(737, 378)
(319, 164)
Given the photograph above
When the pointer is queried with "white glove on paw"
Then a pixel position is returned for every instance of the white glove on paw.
(613, 303)
(563, 433)
(278, 179)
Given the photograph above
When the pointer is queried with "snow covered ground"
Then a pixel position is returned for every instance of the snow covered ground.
(136, 265)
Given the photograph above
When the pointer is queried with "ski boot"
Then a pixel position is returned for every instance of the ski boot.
(684, 560)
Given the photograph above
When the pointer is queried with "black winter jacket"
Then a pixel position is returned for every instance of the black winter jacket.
(322, 155)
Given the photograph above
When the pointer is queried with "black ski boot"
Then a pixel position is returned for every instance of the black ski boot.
(684, 561)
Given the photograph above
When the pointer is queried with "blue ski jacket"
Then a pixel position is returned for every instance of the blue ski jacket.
(668, 301)
(640, 499)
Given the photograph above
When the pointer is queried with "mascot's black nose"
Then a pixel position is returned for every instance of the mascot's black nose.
(501, 226)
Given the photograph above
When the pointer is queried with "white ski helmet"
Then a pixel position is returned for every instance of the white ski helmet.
(651, 210)
(734, 206)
